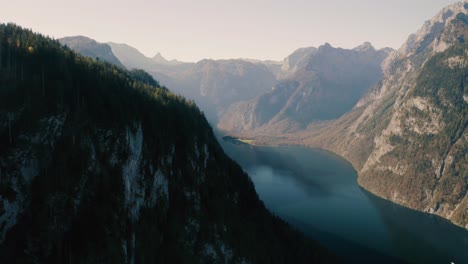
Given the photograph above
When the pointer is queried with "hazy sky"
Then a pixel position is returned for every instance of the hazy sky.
(190, 30)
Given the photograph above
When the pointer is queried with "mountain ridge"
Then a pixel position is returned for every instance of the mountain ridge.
(407, 136)
(95, 169)
(91, 48)
(314, 84)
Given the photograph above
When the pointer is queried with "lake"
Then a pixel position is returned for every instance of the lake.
(317, 192)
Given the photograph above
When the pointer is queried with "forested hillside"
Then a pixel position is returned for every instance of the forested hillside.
(102, 165)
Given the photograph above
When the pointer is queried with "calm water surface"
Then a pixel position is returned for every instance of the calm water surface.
(317, 192)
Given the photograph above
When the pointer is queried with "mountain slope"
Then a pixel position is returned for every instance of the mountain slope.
(91, 48)
(159, 59)
(212, 84)
(317, 84)
(216, 84)
(407, 137)
(130, 56)
(99, 165)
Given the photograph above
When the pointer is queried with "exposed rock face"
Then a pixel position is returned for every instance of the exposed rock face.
(296, 61)
(98, 165)
(407, 137)
(91, 48)
(215, 85)
(316, 85)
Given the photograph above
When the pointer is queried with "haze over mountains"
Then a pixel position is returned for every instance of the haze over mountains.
(91, 48)
(103, 165)
(382, 102)
(213, 84)
(407, 137)
(314, 85)
(217, 85)
(108, 156)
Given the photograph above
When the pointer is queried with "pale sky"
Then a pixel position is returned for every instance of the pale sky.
(190, 30)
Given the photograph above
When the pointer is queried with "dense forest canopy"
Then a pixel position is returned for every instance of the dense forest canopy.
(83, 144)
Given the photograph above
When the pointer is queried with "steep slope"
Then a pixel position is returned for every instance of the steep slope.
(91, 48)
(130, 56)
(213, 84)
(317, 84)
(296, 61)
(216, 84)
(159, 59)
(99, 165)
(407, 137)
(134, 59)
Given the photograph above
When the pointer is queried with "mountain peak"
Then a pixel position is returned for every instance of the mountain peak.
(159, 58)
(292, 62)
(326, 45)
(433, 34)
(366, 46)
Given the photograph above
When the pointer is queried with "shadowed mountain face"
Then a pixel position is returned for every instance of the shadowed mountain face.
(315, 85)
(101, 165)
(90, 48)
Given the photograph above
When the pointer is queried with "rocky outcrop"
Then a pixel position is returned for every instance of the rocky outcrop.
(407, 137)
(100, 165)
(316, 85)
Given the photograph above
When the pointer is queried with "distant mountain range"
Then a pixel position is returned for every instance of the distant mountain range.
(399, 116)
(91, 48)
(213, 84)
(313, 85)
(99, 164)
(407, 137)
(223, 87)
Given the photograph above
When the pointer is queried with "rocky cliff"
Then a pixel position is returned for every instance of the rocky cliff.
(100, 165)
(407, 137)
(315, 85)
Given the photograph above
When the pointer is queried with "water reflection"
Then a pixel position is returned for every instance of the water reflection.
(317, 192)
(422, 237)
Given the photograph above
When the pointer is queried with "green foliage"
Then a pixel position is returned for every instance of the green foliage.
(144, 77)
(462, 17)
(42, 77)
(441, 83)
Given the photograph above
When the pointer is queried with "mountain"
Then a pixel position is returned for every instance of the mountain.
(407, 136)
(91, 48)
(216, 84)
(315, 85)
(297, 60)
(213, 84)
(159, 59)
(101, 165)
(131, 57)
(134, 59)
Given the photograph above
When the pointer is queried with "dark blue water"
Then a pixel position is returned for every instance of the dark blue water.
(317, 192)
